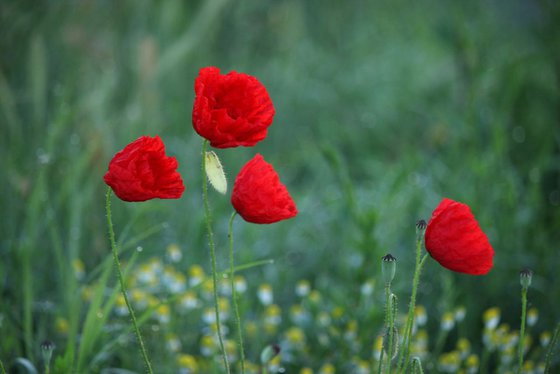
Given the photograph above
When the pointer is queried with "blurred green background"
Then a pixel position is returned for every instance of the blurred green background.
(383, 108)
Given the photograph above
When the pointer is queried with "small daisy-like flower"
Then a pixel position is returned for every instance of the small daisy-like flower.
(306, 371)
(187, 364)
(163, 314)
(87, 292)
(337, 312)
(207, 345)
(361, 367)
(251, 328)
(420, 343)
(209, 315)
(367, 287)
(266, 297)
(460, 313)
(464, 347)
(528, 367)
(295, 337)
(224, 306)
(172, 342)
(447, 321)
(298, 314)
(173, 253)
(196, 275)
(491, 318)
(323, 318)
(189, 301)
(139, 298)
(174, 281)
(471, 364)
(273, 315)
(532, 316)
(544, 338)
(507, 356)
(327, 369)
(420, 315)
(449, 362)
(351, 330)
(120, 306)
(377, 347)
(240, 284)
(61, 325)
(79, 269)
(303, 287)
(315, 297)
(231, 350)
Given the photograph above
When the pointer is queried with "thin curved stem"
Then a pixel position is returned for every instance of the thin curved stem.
(121, 281)
(208, 220)
(234, 293)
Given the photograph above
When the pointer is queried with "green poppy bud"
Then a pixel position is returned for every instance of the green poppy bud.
(388, 268)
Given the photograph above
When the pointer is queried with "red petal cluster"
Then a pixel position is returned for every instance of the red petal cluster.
(230, 110)
(455, 240)
(142, 171)
(259, 196)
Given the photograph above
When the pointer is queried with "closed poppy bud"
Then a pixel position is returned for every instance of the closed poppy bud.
(454, 239)
(231, 110)
(259, 196)
(388, 268)
(142, 171)
(215, 172)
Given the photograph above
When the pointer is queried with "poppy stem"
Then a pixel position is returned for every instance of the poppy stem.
(121, 281)
(234, 293)
(550, 349)
(409, 321)
(208, 219)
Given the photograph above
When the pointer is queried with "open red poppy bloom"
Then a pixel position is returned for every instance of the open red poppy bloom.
(455, 240)
(259, 196)
(142, 171)
(230, 110)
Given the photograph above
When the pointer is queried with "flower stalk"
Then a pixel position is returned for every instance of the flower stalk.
(147, 364)
(405, 351)
(525, 277)
(210, 233)
(234, 294)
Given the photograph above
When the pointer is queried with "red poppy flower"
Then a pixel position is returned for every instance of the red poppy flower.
(230, 110)
(454, 239)
(259, 196)
(142, 171)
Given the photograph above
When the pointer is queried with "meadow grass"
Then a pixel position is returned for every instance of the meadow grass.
(382, 110)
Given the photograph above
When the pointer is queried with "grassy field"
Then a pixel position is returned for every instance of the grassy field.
(382, 109)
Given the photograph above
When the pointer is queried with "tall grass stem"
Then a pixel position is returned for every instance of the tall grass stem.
(121, 281)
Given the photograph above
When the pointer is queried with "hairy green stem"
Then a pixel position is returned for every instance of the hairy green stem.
(234, 293)
(550, 349)
(380, 360)
(390, 325)
(409, 321)
(121, 281)
(208, 219)
(522, 330)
